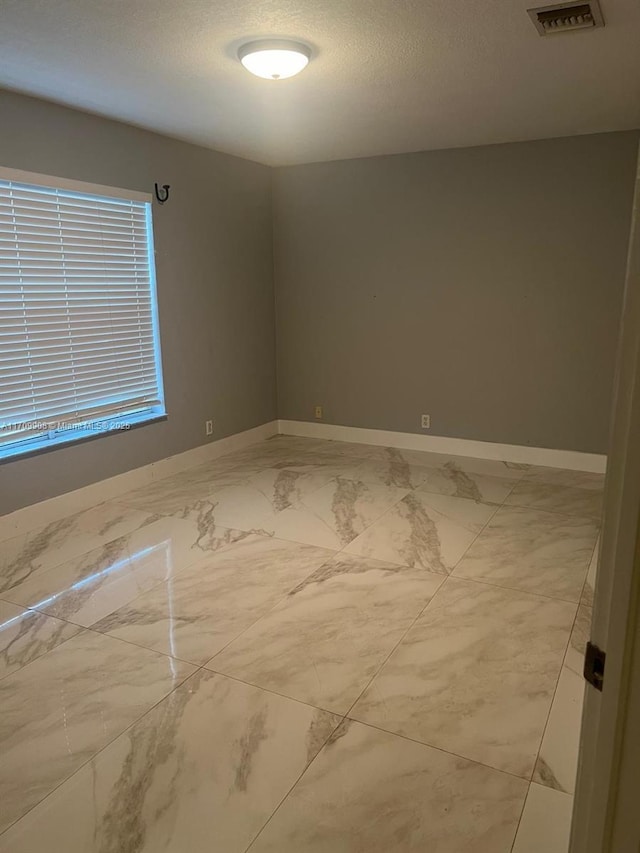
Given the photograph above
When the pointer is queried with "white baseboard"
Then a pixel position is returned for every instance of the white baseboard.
(53, 509)
(571, 459)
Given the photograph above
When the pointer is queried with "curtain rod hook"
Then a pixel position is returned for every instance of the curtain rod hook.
(162, 197)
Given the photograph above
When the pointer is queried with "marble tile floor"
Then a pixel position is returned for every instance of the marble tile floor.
(303, 646)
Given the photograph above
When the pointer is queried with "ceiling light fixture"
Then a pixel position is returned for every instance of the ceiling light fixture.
(274, 59)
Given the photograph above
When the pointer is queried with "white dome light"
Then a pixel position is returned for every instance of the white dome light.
(274, 60)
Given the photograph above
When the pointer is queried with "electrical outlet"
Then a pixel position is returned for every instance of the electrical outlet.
(426, 422)
(208, 427)
(318, 411)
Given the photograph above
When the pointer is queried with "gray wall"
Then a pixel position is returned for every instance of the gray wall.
(481, 286)
(215, 286)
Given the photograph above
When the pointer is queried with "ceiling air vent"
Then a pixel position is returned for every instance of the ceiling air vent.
(566, 17)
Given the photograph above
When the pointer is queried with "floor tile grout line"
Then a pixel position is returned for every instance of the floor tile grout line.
(524, 805)
(286, 595)
(23, 607)
(188, 567)
(283, 598)
(344, 714)
(348, 720)
(46, 651)
(442, 585)
(175, 516)
(132, 601)
(129, 602)
(515, 589)
(459, 755)
(375, 521)
(102, 544)
(395, 647)
(118, 498)
(424, 609)
(34, 609)
(370, 456)
(83, 629)
(505, 505)
(143, 648)
(564, 657)
(79, 557)
(264, 615)
(535, 762)
(596, 546)
(512, 489)
(344, 717)
(378, 484)
(553, 698)
(210, 496)
(402, 639)
(293, 786)
(516, 482)
(300, 505)
(498, 505)
(302, 474)
(196, 669)
(413, 491)
(371, 523)
(154, 587)
(204, 557)
(584, 519)
(595, 520)
(476, 537)
(233, 640)
(271, 691)
(199, 667)
(99, 751)
(290, 469)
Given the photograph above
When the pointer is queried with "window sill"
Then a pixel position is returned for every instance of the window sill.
(72, 437)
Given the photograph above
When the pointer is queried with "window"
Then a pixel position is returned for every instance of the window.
(79, 343)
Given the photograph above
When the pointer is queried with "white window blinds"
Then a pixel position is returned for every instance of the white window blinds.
(79, 346)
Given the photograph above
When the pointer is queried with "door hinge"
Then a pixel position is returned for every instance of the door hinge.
(594, 660)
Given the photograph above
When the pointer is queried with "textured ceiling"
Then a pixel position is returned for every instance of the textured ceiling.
(387, 76)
